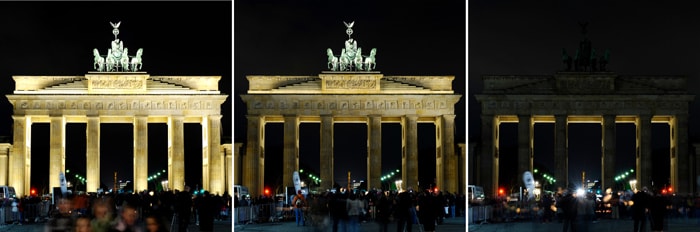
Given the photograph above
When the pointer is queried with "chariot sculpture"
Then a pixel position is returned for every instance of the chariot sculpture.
(351, 58)
(117, 58)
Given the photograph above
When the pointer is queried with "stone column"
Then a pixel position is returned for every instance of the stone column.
(561, 156)
(92, 151)
(374, 152)
(291, 149)
(204, 122)
(326, 150)
(4, 162)
(440, 159)
(696, 167)
(524, 149)
(176, 153)
(57, 150)
(684, 177)
(643, 160)
(487, 173)
(251, 166)
(227, 153)
(216, 159)
(237, 164)
(22, 130)
(140, 153)
(448, 146)
(409, 161)
(609, 148)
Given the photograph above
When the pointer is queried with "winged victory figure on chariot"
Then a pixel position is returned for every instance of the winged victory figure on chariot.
(351, 58)
(117, 58)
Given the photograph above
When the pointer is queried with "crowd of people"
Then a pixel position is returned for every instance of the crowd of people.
(645, 209)
(144, 211)
(344, 210)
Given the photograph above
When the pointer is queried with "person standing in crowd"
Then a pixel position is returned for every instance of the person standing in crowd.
(207, 209)
(62, 220)
(154, 223)
(298, 202)
(383, 208)
(339, 212)
(428, 209)
(568, 205)
(127, 220)
(451, 201)
(640, 202)
(404, 203)
(82, 224)
(17, 218)
(102, 215)
(354, 207)
(546, 204)
(183, 206)
(657, 209)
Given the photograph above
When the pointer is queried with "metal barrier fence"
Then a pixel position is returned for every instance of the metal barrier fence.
(261, 213)
(30, 213)
(480, 213)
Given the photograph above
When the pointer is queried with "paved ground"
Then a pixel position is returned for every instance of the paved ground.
(450, 224)
(602, 225)
(218, 226)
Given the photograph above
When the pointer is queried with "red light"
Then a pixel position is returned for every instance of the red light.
(435, 190)
(33, 191)
(663, 191)
(670, 189)
(501, 191)
(267, 191)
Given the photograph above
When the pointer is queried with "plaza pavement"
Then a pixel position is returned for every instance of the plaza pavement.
(449, 225)
(34, 227)
(619, 225)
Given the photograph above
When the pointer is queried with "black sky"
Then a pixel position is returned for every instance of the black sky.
(291, 37)
(526, 38)
(57, 38)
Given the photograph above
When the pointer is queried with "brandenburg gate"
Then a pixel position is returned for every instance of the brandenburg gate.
(351, 92)
(605, 98)
(117, 93)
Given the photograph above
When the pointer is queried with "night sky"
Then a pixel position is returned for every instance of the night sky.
(57, 38)
(526, 38)
(280, 38)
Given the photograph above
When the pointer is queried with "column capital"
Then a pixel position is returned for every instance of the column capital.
(215, 116)
(411, 117)
(449, 116)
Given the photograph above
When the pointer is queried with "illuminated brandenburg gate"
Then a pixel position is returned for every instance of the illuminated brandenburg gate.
(114, 97)
(351, 97)
(586, 97)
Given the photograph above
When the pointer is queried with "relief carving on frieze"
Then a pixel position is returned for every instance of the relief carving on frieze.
(351, 84)
(117, 84)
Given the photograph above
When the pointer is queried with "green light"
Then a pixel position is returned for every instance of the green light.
(631, 170)
(382, 178)
(301, 170)
(627, 173)
(397, 170)
(536, 170)
(67, 170)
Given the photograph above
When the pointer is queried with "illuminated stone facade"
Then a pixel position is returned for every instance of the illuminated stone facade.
(346, 97)
(584, 97)
(135, 98)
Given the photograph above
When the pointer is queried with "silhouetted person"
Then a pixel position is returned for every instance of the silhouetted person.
(640, 204)
(62, 220)
(568, 204)
(183, 206)
(383, 212)
(207, 210)
(404, 203)
(657, 209)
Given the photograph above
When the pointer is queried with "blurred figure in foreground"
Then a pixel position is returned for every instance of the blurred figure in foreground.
(62, 220)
